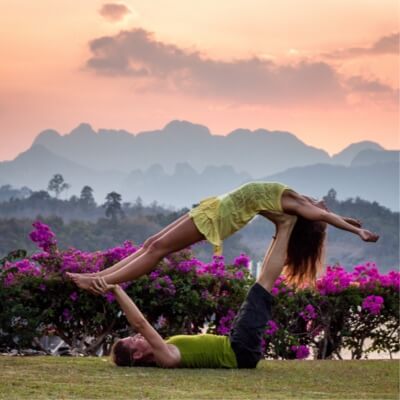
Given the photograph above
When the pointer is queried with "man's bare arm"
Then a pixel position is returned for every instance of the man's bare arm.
(137, 320)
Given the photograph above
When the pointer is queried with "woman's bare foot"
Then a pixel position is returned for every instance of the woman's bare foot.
(81, 280)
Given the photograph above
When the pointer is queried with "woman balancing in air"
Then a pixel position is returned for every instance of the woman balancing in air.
(300, 231)
(216, 218)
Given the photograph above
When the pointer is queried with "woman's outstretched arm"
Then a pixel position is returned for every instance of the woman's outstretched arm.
(298, 205)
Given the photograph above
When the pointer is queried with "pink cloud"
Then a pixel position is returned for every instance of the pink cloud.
(359, 84)
(114, 12)
(137, 54)
(385, 45)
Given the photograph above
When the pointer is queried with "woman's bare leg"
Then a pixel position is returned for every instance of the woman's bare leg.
(275, 258)
(139, 252)
(177, 238)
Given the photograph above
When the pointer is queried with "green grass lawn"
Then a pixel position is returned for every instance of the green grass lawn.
(96, 378)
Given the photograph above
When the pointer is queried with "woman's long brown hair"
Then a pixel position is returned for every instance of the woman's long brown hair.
(305, 252)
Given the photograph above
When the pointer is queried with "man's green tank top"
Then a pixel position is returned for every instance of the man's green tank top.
(204, 351)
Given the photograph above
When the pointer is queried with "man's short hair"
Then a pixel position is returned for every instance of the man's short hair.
(121, 354)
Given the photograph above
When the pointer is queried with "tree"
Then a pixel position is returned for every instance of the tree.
(113, 206)
(25, 192)
(57, 185)
(331, 195)
(331, 198)
(7, 192)
(86, 198)
(40, 195)
(138, 206)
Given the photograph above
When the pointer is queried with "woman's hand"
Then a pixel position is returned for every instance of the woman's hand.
(368, 236)
(100, 286)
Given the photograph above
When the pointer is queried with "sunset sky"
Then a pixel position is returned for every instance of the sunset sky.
(327, 71)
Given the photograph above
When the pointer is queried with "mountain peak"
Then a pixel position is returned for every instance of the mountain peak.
(347, 155)
(363, 145)
(46, 136)
(185, 127)
(240, 132)
(83, 129)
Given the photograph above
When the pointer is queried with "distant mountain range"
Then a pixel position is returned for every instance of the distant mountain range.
(257, 153)
(184, 162)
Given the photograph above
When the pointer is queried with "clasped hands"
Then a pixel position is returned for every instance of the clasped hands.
(99, 286)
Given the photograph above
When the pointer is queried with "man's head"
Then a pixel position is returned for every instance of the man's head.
(132, 351)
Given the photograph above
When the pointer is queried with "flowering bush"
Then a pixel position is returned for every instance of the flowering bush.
(184, 295)
(343, 311)
(181, 295)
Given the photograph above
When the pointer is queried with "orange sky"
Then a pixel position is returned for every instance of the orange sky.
(326, 71)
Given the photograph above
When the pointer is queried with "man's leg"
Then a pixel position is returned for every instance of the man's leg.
(250, 322)
(275, 258)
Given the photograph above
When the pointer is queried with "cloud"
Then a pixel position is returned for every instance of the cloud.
(385, 45)
(361, 90)
(159, 66)
(137, 54)
(114, 12)
(359, 84)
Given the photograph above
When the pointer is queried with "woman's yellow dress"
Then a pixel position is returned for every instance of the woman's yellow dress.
(220, 216)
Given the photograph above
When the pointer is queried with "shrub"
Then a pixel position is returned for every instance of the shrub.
(185, 295)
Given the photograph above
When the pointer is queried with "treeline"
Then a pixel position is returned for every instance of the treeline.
(25, 203)
(82, 223)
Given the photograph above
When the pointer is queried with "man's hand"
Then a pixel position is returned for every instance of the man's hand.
(100, 286)
(368, 236)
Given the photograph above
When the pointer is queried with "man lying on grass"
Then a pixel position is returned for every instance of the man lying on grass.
(242, 349)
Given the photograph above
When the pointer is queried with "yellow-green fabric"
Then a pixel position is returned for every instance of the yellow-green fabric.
(204, 351)
(221, 216)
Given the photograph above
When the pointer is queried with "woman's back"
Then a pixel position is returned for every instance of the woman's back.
(241, 205)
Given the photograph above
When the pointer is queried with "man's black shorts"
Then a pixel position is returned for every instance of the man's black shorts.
(249, 326)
